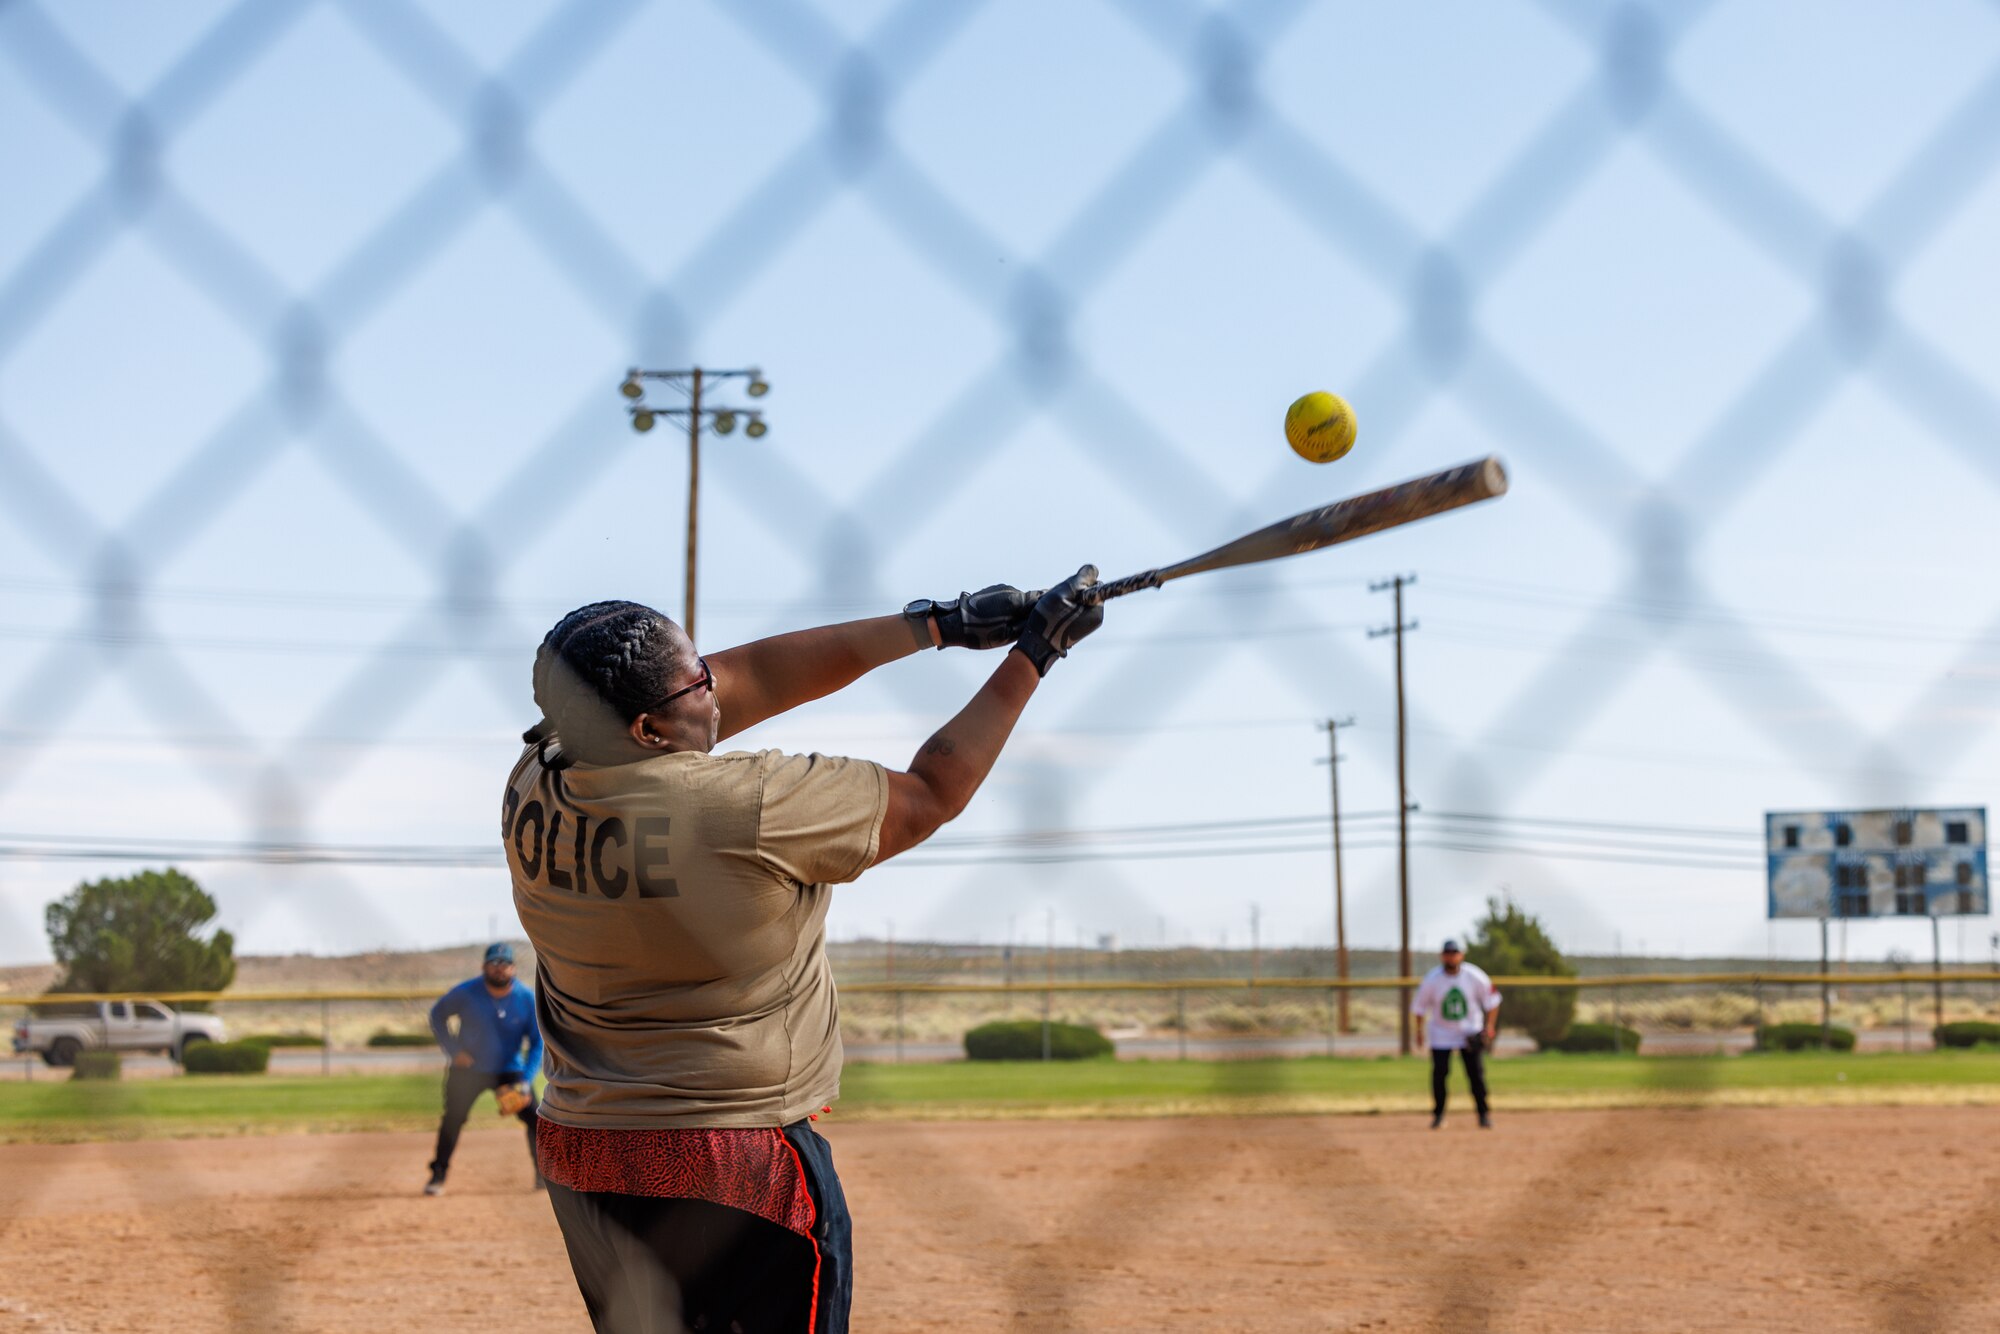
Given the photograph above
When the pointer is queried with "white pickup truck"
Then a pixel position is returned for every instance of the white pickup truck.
(58, 1030)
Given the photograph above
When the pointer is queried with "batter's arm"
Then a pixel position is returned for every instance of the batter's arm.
(954, 762)
(767, 677)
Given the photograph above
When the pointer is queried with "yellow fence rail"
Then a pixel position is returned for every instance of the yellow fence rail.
(1595, 982)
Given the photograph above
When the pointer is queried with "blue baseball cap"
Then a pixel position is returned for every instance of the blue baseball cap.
(499, 952)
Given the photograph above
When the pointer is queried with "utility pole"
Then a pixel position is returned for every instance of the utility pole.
(1825, 991)
(1007, 961)
(1402, 802)
(890, 941)
(694, 508)
(1937, 971)
(723, 419)
(1256, 955)
(1333, 726)
(1049, 991)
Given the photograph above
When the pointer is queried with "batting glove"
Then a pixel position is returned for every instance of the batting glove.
(1060, 620)
(991, 618)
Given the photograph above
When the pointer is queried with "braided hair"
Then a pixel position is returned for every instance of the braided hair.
(625, 650)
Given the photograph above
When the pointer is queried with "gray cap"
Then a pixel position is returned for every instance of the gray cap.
(1452, 947)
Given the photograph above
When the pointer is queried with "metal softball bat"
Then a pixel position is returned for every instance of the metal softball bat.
(1330, 525)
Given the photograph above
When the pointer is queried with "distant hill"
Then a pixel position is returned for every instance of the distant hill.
(914, 961)
(384, 969)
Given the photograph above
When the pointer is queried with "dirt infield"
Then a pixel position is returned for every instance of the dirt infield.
(1795, 1219)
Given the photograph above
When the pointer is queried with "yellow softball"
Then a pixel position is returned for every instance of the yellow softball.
(1320, 427)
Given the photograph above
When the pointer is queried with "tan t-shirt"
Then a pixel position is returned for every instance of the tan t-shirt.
(677, 906)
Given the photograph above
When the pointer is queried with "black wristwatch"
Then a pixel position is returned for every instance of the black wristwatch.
(922, 615)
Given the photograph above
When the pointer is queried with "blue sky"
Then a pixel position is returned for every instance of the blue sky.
(309, 427)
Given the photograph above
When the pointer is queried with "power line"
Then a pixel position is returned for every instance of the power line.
(473, 858)
(1620, 648)
(1482, 634)
(1711, 831)
(1785, 622)
(521, 649)
(30, 847)
(257, 746)
(544, 609)
(1478, 587)
(1266, 836)
(1550, 853)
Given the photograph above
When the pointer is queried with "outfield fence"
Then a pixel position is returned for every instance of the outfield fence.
(1271, 1017)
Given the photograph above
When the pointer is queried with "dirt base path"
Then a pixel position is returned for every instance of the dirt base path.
(1815, 1220)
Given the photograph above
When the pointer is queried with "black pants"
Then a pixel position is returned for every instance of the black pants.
(1475, 1074)
(461, 1089)
(648, 1265)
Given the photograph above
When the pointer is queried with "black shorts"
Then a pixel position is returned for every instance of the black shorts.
(652, 1265)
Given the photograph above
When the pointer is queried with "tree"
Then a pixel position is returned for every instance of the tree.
(1508, 942)
(139, 933)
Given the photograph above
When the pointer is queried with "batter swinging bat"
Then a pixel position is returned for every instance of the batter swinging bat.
(1342, 521)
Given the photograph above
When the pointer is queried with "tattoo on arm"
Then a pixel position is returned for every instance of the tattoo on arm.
(940, 745)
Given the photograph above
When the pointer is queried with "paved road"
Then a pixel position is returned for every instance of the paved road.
(1362, 1045)
(284, 1061)
(417, 1060)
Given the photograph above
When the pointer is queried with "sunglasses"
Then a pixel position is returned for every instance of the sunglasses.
(707, 682)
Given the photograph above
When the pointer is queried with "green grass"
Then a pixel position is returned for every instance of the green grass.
(1320, 1084)
(216, 1105)
(236, 1105)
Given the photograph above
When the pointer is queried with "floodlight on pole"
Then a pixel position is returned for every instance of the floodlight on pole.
(690, 382)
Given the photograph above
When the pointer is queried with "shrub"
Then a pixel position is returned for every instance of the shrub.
(1804, 1037)
(384, 1038)
(1021, 1040)
(283, 1039)
(1965, 1033)
(226, 1058)
(96, 1063)
(1508, 942)
(1596, 1037)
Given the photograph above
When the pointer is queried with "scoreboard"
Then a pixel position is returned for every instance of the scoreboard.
(1886, 863)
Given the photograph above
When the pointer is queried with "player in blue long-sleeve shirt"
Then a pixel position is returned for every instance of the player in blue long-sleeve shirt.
(496, 1017)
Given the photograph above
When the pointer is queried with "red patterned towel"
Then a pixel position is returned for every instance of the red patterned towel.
(754, 1170)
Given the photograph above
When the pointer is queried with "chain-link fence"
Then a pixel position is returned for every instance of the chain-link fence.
(314, 295)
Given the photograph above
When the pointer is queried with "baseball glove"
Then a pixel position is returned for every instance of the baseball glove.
(1475, 1043)
(513, 1097)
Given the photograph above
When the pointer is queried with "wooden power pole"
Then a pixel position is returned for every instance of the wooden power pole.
(1333, 726)
(1402, 803)
(694, 496)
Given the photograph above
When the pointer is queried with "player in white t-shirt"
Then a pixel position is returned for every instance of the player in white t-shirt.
(1460, 1006)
